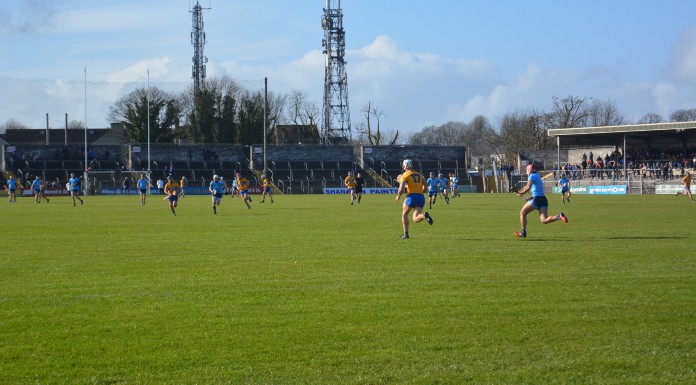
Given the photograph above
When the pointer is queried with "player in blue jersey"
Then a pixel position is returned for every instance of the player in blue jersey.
(74, 187)
(454, 181)
(433, 189)
(537, 202)
(143, 186)
(38, 188)
(564, 184)
(11, 188)
(444, 183)
(217, 188)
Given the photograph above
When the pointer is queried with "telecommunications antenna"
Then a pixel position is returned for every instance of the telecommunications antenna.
(198, 42)
(336, 116)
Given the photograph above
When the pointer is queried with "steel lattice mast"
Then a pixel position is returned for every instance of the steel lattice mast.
(336, 115)
(198, 41)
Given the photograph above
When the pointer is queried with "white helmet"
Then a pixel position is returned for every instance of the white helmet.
(216, 177)
(407, 163)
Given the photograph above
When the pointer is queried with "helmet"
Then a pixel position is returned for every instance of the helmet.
(440, 175)
(530, 168)
(216, 177)
(407, 163)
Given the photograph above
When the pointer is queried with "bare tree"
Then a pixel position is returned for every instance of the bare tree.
(12, 124)
(568, 112)
(375, 136)
(600, 114)
(77, 125)
(651, 118)
(683, 115)
(517, 133)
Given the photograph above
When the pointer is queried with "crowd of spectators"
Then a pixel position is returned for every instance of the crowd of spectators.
(646, 163)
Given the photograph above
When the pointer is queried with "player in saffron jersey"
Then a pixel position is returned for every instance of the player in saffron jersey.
(350, 184)
(444, 182)
(686, 181)
(74, 187)
(413, 183)
(143, 185)
(172, 189)
(11, 188)
(538, 202)
(183, 184)
(564, 184)
(243, 187)
(265, 189)
(217, 187)
(433, 188)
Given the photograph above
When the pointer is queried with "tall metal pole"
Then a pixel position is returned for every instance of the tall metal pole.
(47, 139)
(86, 178)
(149, 177)
(265, 104)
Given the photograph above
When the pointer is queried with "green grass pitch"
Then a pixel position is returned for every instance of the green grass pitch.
(311, 290)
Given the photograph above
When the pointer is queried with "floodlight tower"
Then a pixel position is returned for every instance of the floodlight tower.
(198, 41)
(336, 115)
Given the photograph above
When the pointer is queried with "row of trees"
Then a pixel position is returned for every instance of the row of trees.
(524, 130)
(221, 111)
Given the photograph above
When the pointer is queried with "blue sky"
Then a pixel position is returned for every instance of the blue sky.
(420, 63)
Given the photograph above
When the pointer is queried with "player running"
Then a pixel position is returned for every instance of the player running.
(443, 187)
(265, 189)
(243, 187)
(686, 181)
(537, 202)
(172, 189)
(350, 184)
(412, 183)
(454, 181)
(359, 183)
(564, 184)
(433, 188)
(217, 187)
(143, 185)
(74, 187)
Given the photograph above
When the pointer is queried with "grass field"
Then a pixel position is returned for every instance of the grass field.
(311, 290)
